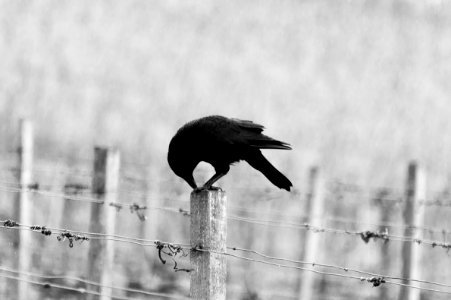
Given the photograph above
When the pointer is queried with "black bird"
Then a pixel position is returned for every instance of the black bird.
(222, 141)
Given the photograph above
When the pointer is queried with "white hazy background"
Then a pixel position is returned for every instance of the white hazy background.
(358, 88)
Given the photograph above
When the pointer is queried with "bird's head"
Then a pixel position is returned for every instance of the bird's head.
(181, 163)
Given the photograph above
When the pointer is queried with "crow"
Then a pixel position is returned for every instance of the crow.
(222, 141)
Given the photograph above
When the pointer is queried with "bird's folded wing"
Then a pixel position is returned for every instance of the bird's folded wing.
(250, 134)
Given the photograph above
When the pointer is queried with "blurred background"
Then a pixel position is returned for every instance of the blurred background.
(358, 88)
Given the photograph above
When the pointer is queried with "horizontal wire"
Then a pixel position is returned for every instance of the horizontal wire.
(146, 242)
(51, 194)
(188, 247)
(399, 199)
(327, 219)
(353, 187)
(85, 173)
(293, 225)
(70, 171)
(393, 195)
(134, 206)
(310, 227)
(67, 196)
(17, 188)
(322, 272)
(335, 184)
(59, 286)
(317, 229)
(90, 235)
(49, 277)
(94, 200)
(347, 269)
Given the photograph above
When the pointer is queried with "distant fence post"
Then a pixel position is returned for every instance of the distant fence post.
(413, 217)
(315, 208)
(23, 206)
(208, 231)
(386, 261)
(103, 219)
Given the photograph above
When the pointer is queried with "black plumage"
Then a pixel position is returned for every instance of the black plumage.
(222, 141)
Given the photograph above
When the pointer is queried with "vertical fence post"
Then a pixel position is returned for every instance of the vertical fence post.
(386, 261)
(413, 217)
(103, 219)
(23, 206)
(315, 208)
(208, 231)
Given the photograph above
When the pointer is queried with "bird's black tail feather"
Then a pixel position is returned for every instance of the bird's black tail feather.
(259, 162)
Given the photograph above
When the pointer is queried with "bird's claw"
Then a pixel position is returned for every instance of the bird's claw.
(199, 189)
(214, 188)
(206, 188)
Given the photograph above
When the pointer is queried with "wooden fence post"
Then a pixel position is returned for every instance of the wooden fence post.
(413, 217)
(103, 219)
(315, 208)
(208, 231)
(385, 208)
(23, 205)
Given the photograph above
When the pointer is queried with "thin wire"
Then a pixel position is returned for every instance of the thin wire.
(59, 286)
(93, 235)
(84, 173)
(334, 183)
(293, 225)
(350, 187)
(313, 264)
(320, 272)
(317, 229)
(188, 247)
(90, 282)
(16, 185)
(279, 223)
(144, 242)
(238, 218)
(396, 195)
(64, 195)
(348, 221)
(51, 194)
(244, 219)
(78, 172)
(427, 203)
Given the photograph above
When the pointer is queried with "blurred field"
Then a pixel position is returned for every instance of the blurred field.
(358, 88)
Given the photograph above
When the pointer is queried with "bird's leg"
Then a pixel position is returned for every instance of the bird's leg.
(190, 180)
(220, 172)
(209, 184)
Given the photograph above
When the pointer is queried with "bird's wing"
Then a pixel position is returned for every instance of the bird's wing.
(249, 125)
(250, 134)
